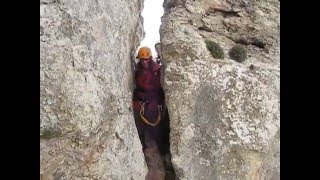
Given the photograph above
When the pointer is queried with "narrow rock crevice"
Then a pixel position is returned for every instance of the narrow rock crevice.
(157, 156)
(159, 165)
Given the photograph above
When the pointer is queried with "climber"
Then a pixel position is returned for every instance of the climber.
(148, 99)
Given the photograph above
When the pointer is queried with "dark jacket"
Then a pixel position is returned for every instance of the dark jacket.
(148, 84)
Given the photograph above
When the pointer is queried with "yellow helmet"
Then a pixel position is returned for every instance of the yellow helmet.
(144, 52)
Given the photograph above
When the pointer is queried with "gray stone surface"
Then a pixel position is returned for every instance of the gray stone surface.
(225, 115)
(87, 129)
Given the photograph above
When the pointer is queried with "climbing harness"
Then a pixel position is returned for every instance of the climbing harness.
(145, 119)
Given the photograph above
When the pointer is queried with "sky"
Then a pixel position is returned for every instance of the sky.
(152, 13)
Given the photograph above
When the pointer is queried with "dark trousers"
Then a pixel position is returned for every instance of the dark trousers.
(159, 133)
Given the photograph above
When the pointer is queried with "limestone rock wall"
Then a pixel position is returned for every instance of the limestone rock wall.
(225, 114)
(87, 129)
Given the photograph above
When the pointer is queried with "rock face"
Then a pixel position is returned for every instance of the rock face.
(87, 129)
(225, 114)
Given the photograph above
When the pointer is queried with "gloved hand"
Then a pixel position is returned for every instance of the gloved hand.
(156, 67)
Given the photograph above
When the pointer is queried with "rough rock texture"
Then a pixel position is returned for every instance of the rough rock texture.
(225, 115)
(87, 129)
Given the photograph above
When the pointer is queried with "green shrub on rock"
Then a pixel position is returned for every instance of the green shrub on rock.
(215, 50)
(238, 53)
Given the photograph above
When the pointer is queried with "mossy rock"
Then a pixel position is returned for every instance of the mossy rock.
(215, 50)
(50, 133)
(238, 53)
(258, 43)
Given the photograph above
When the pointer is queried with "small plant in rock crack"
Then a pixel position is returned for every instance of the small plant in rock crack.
(238, 53)
(215, 50)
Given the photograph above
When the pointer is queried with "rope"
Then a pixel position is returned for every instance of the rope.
(145, 119)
